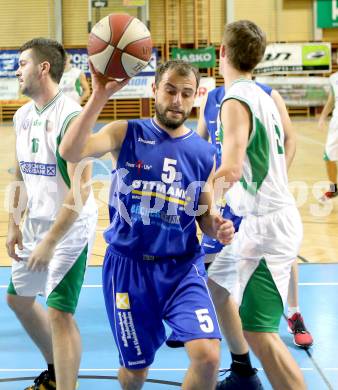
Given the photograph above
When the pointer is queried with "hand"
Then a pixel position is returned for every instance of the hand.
(14, 237)
(41, 256)
(103, 85)
(225, 230)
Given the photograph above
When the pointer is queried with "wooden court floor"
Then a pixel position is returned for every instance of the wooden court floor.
(307, 181)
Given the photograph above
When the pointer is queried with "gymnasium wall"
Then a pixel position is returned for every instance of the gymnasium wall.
(171, 21)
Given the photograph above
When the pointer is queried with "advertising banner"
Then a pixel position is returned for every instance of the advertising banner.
(138, 87)
(9, 62)
(299, 91)
(206, 85)
(327, 13)
(9, 89)
(201, 58)
(295, 58)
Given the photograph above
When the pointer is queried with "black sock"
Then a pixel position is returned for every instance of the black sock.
(333, 187)
(51, 372)
(241, 364)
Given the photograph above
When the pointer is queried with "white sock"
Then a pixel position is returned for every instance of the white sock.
(292, 311)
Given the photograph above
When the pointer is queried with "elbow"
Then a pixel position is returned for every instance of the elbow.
(67, 154)
(230, 174)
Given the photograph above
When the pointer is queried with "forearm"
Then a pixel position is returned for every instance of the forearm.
(290, 151)
(17, 203)
(326, 110)
(207, 225)
(67, 215)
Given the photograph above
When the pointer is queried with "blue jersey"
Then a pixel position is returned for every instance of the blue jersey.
(155, 192)
(211, 111)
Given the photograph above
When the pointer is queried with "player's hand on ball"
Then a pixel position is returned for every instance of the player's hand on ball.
(225, 230)
(105, 86)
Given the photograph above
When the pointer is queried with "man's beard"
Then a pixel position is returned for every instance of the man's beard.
(171, 124)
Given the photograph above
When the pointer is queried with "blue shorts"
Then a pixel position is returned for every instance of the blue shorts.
(211, 245)
(141, 294)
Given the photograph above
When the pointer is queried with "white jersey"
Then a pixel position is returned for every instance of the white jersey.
(263, 187)
(70, 83)
(334, 86)
(38, 136)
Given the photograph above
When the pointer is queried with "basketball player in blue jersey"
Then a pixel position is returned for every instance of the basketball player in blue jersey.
(241, 369)
(154, 266)
(269, 236)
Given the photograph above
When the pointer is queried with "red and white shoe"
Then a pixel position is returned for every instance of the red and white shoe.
(301, 336)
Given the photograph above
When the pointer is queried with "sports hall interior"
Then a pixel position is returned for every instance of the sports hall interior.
(188, 24)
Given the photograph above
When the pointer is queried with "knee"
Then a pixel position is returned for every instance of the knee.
(208, 358)
(59, 317)
(132, 379)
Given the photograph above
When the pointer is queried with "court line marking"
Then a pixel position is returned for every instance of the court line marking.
(299, 284)
(151, 369)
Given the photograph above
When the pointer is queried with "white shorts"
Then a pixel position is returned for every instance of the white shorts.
(331, 146)
(265, 246)
(64, 277)
(224, 269)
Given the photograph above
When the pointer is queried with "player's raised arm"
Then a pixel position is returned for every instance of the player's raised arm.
(79, 142)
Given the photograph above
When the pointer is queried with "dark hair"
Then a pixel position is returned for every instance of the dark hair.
(181, 67)
(245, 44)
(49, 50)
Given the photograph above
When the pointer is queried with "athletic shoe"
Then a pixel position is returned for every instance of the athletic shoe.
(301, 336)
(237, 382)
(328, 195)
(42, 382)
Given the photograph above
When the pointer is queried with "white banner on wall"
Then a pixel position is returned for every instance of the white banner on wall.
(206, 85)
(9, 88)
(138, 87)
(299, 91)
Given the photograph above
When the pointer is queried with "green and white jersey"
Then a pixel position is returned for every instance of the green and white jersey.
(334, 86)
(70, 84)
(263, 187)
(38, 136)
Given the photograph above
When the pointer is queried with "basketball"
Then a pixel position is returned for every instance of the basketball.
(119, 46)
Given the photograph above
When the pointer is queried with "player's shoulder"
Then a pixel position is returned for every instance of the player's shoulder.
(24, 110)
(67, 104)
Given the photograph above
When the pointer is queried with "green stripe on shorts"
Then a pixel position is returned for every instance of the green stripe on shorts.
(262, 307)
(66, 294)
(325, 156)
(11, 288)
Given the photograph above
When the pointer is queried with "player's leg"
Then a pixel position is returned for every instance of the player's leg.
(34, 319)
(134, 314)
(204, 363)
(302, 337)
(64, 283)
(225, 273)
(22, 290)
(331, 158)
(278, 363)
(132, 379)
(190, 313)
(261, 310)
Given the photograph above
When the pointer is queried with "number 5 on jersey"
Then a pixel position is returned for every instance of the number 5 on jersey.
(168, 171)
